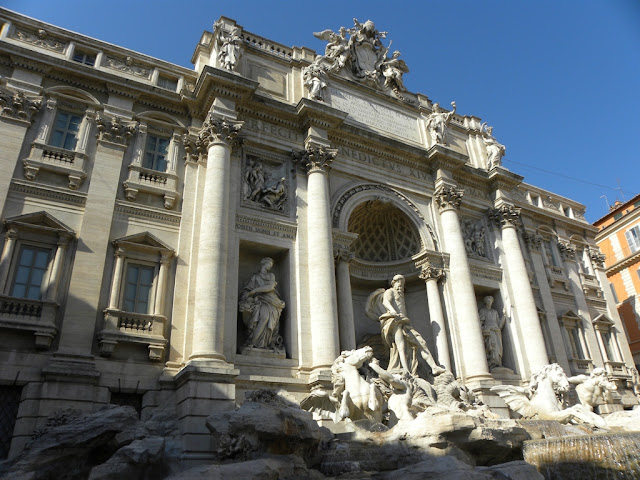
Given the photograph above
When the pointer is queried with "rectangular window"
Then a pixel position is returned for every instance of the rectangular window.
(607, 339)
(65, 130)
(167, 83)
(550, 255)
(617, 216)
(615, 294)
(155, 154)
(633, 238)
(32, 265)
(576, 346)
(535, 200)
(84, 58)
(137, 288)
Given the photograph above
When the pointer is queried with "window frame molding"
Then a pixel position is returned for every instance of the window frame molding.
(121, 326)
(46, 157)
(42, 230)
(602, 324)
(571, 321)
(148, 180)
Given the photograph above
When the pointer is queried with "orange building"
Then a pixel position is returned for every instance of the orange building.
(619, 240)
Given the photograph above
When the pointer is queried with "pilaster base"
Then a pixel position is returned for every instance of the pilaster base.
(202, 389)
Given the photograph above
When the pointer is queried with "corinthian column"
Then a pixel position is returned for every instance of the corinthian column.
(217, 136)
(431, 275)
(508, 217)
(345, 301)
(474, 360)
(322, 287)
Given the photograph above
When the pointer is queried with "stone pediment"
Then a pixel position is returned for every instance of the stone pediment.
(602, 320)
(38, 220)
(143, 240)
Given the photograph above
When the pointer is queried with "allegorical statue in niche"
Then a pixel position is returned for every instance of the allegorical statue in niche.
(404, 342)
(229, 46)
(492, 323)
(437, 123)
(495, 150)
(261, 307)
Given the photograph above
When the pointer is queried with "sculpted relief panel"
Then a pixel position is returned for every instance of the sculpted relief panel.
(264, 185)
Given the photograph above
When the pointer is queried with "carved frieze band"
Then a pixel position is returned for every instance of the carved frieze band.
(17, 105)
(505, 216)
(266, 227)
(218, 130)
(315, 158)
(448, 198)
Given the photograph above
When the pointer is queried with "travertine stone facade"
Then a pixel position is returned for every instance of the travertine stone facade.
(138, 198)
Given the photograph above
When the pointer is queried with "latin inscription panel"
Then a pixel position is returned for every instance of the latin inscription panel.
(376, 116)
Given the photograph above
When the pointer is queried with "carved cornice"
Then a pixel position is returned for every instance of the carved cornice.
(502, 179)
(448, 197)
(443, 158)
(265, 226)
(49, 192)
(114, 130)
(18, 106)
(217, 130)
(315, 158)
(311, 112)
(505, 216)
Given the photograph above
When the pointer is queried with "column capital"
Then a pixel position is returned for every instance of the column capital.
(448, 197)
(315, 158)
(342, 254)
(114, 130)
(219, 130)
(597, 258)
(429, 272)
(18, 106)
(11, 234)
(505, 216)
(566, 250)
(533, 241)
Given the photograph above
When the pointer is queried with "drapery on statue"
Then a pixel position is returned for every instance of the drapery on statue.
(405, 343)
(495, 150)
(259, 299)
(492, 323)
(437, 123)
(229, 46)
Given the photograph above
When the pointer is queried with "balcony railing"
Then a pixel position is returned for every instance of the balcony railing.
(137, 328)
(30, 315)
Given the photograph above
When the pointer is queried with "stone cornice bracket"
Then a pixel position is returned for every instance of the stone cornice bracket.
(448, 197)
(318, 120)
(18, 106)
(505, 216)
(502, 179)
(315, 158)
(442, 157)
(114, 130)
(222, 84)
(533, 241)
(218, 130)
(597, 258)
(428, 272)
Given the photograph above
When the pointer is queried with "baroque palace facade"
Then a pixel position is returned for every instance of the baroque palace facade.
(187, 235)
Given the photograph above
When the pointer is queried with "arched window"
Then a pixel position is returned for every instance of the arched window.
(386, 234)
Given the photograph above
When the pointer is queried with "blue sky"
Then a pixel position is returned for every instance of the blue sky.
(558, 80)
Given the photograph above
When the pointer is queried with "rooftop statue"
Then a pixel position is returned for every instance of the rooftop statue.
(437, 123)
(495, 150)
(229, 46)
(543, 399)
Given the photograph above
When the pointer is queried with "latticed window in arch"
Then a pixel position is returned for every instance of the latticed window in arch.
(385, 232)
